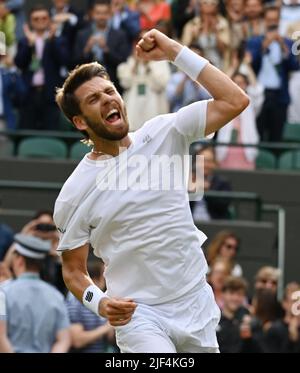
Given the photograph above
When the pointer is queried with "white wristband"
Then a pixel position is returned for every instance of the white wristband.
(190, 62)
(92, 297)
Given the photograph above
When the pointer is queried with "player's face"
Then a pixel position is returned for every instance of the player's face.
(103, 111)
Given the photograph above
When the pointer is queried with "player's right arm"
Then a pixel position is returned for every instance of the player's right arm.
(74, 268)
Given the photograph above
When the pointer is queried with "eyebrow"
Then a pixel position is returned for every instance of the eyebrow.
(91, 95)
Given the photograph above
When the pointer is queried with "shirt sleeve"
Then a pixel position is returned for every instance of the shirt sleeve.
(74, 231)
(190, 121)
(2, 305)
(62, 321)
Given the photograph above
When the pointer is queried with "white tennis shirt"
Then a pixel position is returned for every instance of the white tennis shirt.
(146, 237)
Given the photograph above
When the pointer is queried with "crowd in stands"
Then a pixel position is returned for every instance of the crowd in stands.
(38, 314)
(253, 41)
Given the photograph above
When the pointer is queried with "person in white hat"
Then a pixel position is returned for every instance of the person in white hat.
(36, 315)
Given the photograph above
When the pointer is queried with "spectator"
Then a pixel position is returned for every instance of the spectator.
(7, 27)
(6, 239)
(254, 22)
(37, 319)
(153, 11)
(228, 331)
(241, 130)
(267, 278)
(182, 12)
(100, 42)
(235, 17)
(225, 245)
(182, 91)
(68, 21)
(262, 333)
(208, 207)
(144, 84)
(12, 93)
(5, 346)
(218, 274)
(211, 32)
(290, 324)
(272, 61)
(5, 275)
(125, 19)
(89, 332)
(40, 57)
(16, 7)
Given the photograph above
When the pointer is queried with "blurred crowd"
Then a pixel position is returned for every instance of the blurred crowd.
(38, 314)
(255, 42)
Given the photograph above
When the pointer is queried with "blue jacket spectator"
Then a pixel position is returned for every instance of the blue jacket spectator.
(41, 57)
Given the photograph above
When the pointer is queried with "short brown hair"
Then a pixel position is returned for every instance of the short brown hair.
(234, 284)
(65, 97)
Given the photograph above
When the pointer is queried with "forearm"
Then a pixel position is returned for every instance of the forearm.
(60, 347)
(5, 345)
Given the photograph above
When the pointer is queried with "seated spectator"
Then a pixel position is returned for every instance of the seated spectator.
(182, 91)
(40, 57)
(241, 130)
(225, 245)
(37, 319)
(267, 278)
(217, 276)
(12, 93)
(211, 32)
(272, 61)
(263, 331)
(144, 85)
(7, 27)
(153, 11)
(125, 19)
(204, 179)
(102, 43)
(254, 22)
(90, 333)
(228, 330)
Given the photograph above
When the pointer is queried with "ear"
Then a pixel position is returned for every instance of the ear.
(79, 123)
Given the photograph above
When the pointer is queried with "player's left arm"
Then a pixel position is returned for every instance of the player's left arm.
(228, 99)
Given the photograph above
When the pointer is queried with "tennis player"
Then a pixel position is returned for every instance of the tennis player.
(157, 297)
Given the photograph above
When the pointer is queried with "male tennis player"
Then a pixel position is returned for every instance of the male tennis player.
(157, 297)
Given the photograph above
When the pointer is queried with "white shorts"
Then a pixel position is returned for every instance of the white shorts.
(187, 324)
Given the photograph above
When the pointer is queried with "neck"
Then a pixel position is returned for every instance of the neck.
(113, 148)
(227, 313)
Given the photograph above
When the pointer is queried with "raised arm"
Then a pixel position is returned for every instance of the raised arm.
(76, 277)
(228, 99)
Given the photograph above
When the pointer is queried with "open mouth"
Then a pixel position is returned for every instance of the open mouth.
(113, 117)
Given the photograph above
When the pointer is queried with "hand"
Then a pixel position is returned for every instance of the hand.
(52, 30)
(90, 43)
(62, 17)
(5, 273)
(156, 46)
(118, 312)
(294, 329)
(100, 40)
(247, 58)
(31, 36)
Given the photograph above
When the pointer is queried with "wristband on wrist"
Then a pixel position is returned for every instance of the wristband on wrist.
(92, 297)
(190, 63)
